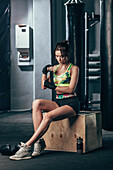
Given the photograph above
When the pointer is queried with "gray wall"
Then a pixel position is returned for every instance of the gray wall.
(42, 43)
(25, 81)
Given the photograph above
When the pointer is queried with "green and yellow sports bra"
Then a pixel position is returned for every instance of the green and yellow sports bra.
(63, 79)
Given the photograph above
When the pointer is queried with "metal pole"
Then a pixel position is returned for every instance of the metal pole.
(86, 57)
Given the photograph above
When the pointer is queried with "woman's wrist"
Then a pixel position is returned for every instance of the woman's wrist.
(49, 85)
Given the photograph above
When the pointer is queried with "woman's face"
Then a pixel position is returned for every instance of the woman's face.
(59, 57)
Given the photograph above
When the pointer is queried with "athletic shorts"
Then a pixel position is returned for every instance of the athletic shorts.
(71, 101)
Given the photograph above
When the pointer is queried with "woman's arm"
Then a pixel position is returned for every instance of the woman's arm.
(73, 83)
(45, 77)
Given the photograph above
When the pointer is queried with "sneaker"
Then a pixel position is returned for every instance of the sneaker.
(24, 152)
(39, 146)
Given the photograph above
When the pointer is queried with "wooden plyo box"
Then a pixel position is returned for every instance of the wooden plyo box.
(62, 135)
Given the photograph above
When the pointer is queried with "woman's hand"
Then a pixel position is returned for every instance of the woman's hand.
(49, 85)
(51, 68)
(46, 69)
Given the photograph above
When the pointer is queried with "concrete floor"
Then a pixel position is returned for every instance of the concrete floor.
(16, 127)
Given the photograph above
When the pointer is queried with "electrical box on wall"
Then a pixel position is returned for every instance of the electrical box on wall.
(24, 44)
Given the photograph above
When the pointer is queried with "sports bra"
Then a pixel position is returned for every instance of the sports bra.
(63, 79)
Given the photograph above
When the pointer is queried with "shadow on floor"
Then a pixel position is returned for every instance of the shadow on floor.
(18, 127)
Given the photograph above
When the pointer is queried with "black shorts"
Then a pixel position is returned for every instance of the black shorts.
(71, 101)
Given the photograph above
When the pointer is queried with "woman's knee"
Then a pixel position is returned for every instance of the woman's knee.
(36, 103)
(47, 118)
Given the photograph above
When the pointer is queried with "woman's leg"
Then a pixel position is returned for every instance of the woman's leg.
(59, 113)
(38, 106)
(54, 115)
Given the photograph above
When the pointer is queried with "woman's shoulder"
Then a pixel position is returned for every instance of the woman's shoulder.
(74, 68)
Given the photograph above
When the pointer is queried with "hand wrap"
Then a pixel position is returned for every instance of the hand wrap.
(49, 85)
(44, 70)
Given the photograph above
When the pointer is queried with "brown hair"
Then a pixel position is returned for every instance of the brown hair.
(64, 48)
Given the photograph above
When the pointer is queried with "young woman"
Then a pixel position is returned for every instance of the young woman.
(66, 105)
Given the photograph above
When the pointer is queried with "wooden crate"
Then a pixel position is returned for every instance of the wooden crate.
(62, 135)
